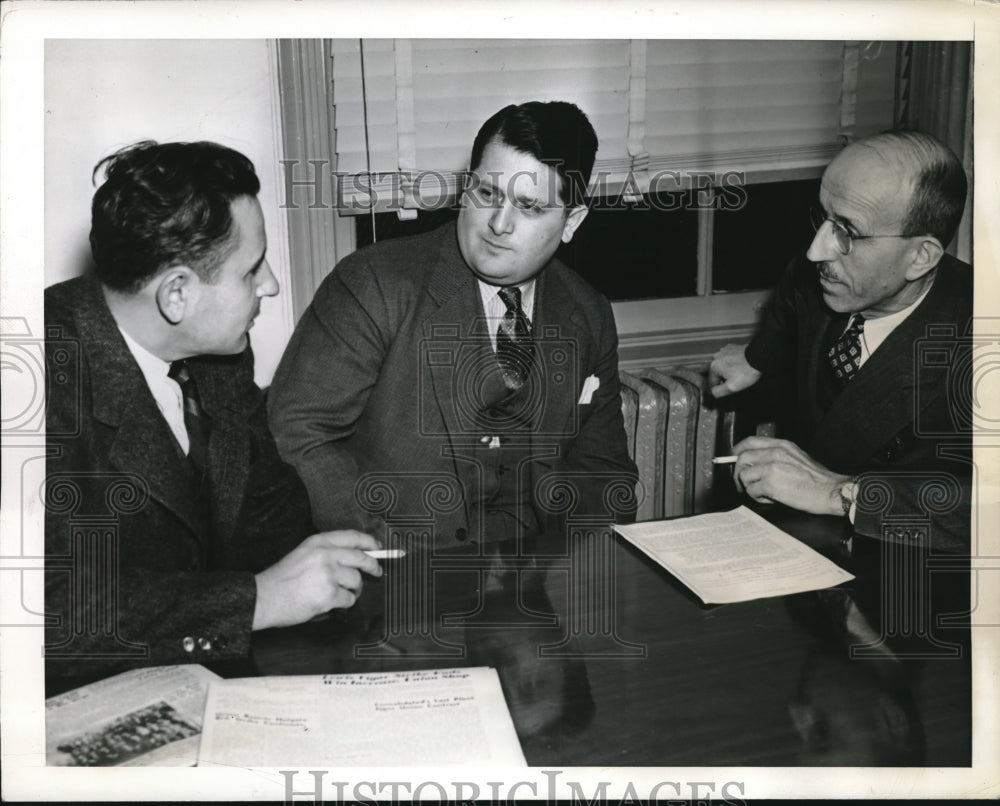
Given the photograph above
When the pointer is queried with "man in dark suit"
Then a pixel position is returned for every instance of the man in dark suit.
(465, 378)
(881, 428)
(173, 529)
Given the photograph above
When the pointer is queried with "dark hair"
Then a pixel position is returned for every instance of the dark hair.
(939, 182)
(165, 205)
(555, 133)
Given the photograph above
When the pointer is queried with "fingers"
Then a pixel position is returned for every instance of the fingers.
(757, 492)
(758, 443)
(347, 547)
(354, 558)
(348, 539)
(721, 390)
(348, 579)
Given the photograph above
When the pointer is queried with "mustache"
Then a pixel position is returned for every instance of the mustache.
(826, 274)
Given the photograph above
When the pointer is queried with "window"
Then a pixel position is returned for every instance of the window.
(772, 113)
(649, 248)
(745, 126)
(752, 245)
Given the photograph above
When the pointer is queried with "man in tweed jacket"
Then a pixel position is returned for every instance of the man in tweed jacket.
(391, 399)
(173, 529)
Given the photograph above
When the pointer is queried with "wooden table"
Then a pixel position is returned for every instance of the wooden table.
(606, 659)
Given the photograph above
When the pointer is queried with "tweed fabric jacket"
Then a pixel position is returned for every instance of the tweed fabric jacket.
(374, 399)
(903, 420)
(147, 564)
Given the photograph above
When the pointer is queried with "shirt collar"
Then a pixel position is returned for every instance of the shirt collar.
(154, 369)
(489, 293)
(878, 328)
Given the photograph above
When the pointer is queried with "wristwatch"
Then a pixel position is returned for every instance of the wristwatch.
(849, 496)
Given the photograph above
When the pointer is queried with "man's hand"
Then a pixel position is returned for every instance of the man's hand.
(322, 573)
(730, 372)
(776, 470)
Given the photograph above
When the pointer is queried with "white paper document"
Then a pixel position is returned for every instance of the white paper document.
(733, 556)
(141, 718)
(435, 717)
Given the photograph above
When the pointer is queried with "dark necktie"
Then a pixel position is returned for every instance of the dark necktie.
(195, 418)
(515, 347)
(845, 355)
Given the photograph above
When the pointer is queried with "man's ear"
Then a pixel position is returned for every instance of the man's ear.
(926, 255)
(175, 293)
(573, 220)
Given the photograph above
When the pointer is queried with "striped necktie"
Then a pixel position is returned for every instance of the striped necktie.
(195, 418)
(515, 346)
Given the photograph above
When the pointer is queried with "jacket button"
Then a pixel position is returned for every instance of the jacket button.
(204, 644)
(461, 534)
(220, 641)
(188, 644)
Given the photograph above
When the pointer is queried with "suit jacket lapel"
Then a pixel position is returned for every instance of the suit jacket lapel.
(561, 340)
(143, 443)
(884, 392)
(456, 323)
(228, 443)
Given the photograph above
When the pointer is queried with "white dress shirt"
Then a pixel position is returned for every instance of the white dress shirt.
(495, 308)
(877, 329)
(166, 391)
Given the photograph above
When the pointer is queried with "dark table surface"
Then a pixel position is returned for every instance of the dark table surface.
(606, 659)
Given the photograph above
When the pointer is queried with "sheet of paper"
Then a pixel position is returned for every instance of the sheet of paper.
(436, 717)
(733, 556)
(145, 717)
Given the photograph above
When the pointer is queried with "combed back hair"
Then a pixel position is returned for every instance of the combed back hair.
(164, 205)
(555, 133)
(939, 182)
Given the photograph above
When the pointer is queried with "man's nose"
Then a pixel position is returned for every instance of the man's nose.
(268, 286)
(502, 219)
(824, 244)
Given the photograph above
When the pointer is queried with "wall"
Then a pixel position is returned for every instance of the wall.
(103, 94)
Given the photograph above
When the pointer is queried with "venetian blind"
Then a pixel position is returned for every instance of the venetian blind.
(406, 111)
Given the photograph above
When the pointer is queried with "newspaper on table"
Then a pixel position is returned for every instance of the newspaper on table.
(733, 556)
(140, 718)
(431, 717)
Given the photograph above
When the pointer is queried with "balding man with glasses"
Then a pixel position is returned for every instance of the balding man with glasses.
(871, 328)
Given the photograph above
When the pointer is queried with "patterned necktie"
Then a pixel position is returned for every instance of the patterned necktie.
(845, 355)
(195, 418)
(515, 347)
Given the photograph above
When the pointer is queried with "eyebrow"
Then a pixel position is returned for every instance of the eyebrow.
(528, 200)
(841, 219)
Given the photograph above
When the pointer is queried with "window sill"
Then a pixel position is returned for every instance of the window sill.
(684, 330)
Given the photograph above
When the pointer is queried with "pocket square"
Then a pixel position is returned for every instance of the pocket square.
(590, 385)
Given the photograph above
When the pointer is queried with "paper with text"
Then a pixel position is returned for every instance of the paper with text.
(145, 717)
(733, 556)
(439, 717)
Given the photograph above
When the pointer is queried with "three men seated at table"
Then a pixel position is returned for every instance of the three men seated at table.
(867, 329)
(467, 371)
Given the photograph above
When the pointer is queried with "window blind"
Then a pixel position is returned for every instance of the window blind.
(406, 111)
